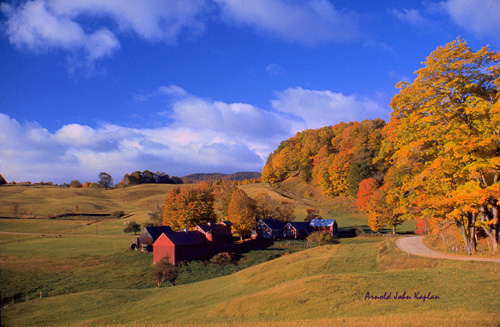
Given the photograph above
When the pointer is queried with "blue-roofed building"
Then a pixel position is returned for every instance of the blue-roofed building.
(329, 225)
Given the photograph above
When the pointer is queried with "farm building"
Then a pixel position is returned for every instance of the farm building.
(149, 235)
(179, 246)
(297, 230)
(268, 228)
(217, 234)
(329, 225)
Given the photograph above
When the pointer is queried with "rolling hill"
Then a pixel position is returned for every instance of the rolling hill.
(87, 277)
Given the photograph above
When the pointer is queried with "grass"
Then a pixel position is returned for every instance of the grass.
(314, 287)
(45, 201)
(95, 281)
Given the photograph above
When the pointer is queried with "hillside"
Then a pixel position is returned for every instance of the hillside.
(88, 278)
(316, 287)
(213, 177)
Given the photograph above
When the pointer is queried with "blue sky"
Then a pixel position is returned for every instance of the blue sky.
(187, 86)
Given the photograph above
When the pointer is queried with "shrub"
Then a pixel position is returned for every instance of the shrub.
(224, 258)
(320, 238)
(165, 271)
(117, 214)
(132, 226)
(75, 184)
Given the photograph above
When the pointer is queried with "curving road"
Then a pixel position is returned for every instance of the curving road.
(415, 245)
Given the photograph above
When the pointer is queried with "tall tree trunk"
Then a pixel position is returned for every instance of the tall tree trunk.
(465, 231)
(496, 225)
(492, 229)
(471, 222)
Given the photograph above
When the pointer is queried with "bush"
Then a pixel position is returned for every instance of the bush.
(132, 226)
(320, 238)
(224, 258)
(117, 214)
(165, 271)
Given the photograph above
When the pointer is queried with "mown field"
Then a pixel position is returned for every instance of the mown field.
(88, 279)
(318, 286)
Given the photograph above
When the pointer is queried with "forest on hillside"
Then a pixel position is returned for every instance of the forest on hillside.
(436, 161)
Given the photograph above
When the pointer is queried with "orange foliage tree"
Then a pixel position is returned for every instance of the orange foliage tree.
(445, 126)
(188, 207)
(242, 212)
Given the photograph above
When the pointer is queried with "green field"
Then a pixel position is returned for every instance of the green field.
(88, 279)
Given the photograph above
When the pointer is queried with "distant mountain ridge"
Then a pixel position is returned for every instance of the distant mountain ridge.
(213, 177)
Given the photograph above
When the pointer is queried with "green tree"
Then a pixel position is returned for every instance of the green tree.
(132, 226)
(105, 180)
(312, 213)
(156, 216)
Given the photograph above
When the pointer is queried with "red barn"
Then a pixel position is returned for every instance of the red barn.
(180, 246)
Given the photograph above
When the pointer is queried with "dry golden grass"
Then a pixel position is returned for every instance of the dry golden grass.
(316, 287)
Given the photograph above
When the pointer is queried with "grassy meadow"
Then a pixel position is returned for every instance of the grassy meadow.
(92, 280)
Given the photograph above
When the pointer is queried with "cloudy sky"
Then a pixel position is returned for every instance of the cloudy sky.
(187, 86)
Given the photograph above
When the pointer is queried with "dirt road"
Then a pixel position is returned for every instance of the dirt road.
(415, 245)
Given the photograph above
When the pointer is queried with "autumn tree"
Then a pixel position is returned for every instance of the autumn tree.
(446, 125)
(188, 207)
(222, 196)
(265, 206)
(312, 213)
(335, 158)
(105, 180)
(285, 212)
(242, 212)
(75, 184)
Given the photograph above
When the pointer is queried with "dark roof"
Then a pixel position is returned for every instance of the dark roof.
(216, 229)
(186, 238)
(322, 222)
(227, 223)
(156, 231)
(273, 224)
(300, 225)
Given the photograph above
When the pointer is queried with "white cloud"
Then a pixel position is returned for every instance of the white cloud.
(321, 108)
(33, 26)
(42, 25)
(413, 17)
(306, 22)
(480, 17)
(202, 135)
(275, 69)
(153, 20)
